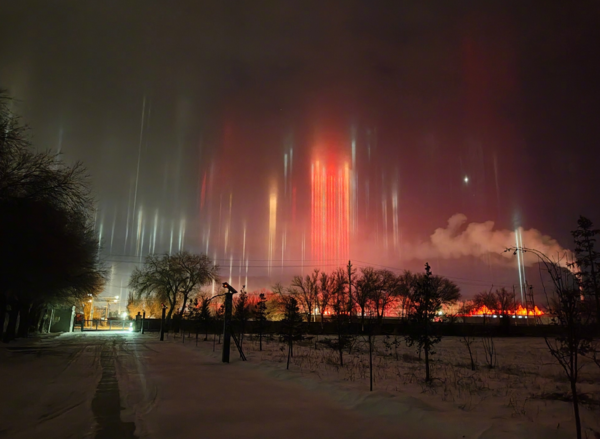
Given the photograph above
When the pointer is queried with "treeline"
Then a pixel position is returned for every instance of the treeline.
(366, 294)
(48, 248)
(344, 296)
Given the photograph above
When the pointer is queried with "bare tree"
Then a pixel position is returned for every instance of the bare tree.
(407, 283)
(276, 303)
(468, 339)
(149, 304)
(505, 301)
(260, 314)
(364, 290)
(49, 252)
(500, 302)
(326, 288)
(485, 301)
(173, 278)
(204, 315)
(291, 325)
(306, 291)
(572, 313)
(341, 316)
(386, 290)
(587, 261)
(241, 313)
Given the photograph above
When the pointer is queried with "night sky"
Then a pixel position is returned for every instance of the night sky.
(194, 117)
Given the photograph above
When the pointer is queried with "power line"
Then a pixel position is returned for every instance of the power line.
(307, 265)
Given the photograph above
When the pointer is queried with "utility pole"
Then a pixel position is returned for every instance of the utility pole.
(162, 322)
(530, 304)
(350, 306)
(92, 309)
(227, 321)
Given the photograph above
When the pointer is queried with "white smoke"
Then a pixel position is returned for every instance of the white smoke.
(481, 239)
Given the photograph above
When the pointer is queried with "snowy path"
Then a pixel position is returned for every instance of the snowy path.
(190, 394)
(47, 387)
(70, 386)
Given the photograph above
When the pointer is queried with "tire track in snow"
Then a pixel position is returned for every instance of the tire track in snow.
(106, 404)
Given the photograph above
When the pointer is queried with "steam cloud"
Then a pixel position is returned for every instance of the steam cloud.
(480, 239)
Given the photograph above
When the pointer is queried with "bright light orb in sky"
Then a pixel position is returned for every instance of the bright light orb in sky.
(466, 179)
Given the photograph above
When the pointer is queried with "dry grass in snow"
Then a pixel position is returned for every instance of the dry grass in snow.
(526, 384)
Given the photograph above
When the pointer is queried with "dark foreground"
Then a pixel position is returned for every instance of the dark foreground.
(125, 385)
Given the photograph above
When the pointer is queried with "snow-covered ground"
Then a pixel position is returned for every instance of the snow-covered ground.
(172, 389)
(47, 387)
(520, 397)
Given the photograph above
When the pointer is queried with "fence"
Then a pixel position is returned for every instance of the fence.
(354, 328)
(107, 325)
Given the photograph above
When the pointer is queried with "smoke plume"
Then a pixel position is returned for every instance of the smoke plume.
(460, 239)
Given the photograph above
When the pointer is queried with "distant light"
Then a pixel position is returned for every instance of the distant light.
(124, 315)
(116, 297)
(466, 179)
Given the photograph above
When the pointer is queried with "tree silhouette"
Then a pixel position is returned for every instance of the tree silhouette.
(173, 278)
(447, 290)
(572, 313)
(426, 302)
(587, 261)
(150, 304)
(241, 313)
(501, 302)
(49, 251)
(365, 285)
(260, 314)
(204, 313)
(199, 314)
(306, 290)
(325, 289)
(486, 302)
(386, 289)
(291, 325)
(341, 316)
